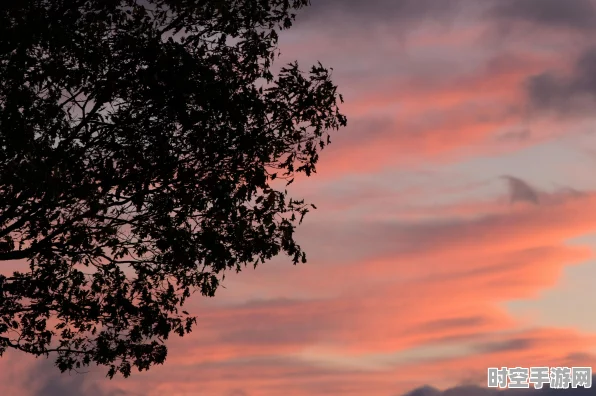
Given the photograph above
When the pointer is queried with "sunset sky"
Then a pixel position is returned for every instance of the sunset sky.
(456, 220)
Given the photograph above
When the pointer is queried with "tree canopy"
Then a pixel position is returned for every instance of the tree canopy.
(138, 144)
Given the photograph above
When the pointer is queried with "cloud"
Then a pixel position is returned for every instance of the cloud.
(237, 392)
(319, 373)
(348, 327)
(518, 135)
(434, 283)
(266, 376)
(513, 344)
(425, 391)
(44, 379)
(520, 190)
(342, 12)
(574, 93)
(573, 14)
(439, 99)
(438, 119)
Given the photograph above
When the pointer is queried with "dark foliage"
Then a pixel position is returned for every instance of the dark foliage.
(138, 142)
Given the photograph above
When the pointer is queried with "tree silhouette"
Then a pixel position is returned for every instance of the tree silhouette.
(138, 144)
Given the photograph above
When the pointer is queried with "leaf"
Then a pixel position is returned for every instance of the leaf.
(135, 160)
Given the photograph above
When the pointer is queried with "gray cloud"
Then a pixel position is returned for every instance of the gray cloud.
(266, 330)
(466, 390)
(519, 190)
(519, 136)
(378, 11)
(45, 380)
(72, 387)
(515, 344)
(566, 94)
(574, 14)
(364, 130)
(451, 323)
(425, 391)
(237, 392)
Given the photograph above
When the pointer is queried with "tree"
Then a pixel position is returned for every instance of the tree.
(139, 143)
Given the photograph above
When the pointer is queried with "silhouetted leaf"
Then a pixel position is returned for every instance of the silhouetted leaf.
(135, 149)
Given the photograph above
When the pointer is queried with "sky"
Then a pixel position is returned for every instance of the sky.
(456, 220)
